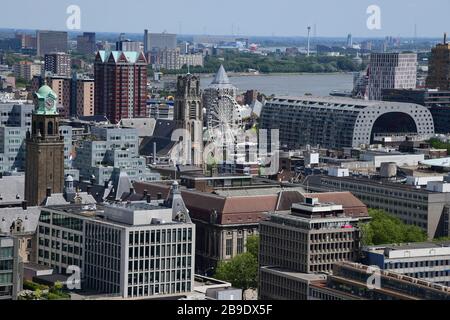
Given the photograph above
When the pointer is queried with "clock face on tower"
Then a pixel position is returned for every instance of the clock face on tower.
(49, 103)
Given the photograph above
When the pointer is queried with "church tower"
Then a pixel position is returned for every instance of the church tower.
(188, 114)
(44, 150)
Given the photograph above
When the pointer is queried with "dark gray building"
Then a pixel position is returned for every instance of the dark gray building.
(51, 41)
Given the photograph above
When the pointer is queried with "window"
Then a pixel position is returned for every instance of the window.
(229, 247)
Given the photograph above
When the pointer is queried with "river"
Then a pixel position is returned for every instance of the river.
(290, 84)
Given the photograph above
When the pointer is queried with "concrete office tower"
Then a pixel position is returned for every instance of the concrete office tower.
(391, 71)
(148, 251)
(439, 67)
(120, 85)
(27, 70)
(58, 63)
(159, 41)
(309, 238)
(220, 86)
(188, 114)
(86, 43)
(45, 150)
(51, 41)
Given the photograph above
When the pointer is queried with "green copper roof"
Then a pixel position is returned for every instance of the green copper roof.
(46, 101)
(130, 56)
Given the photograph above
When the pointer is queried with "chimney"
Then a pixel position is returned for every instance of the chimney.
(24, 205)
(445, 38)
(49, 192)
(159, 195)
(131, 190)
(145, 192)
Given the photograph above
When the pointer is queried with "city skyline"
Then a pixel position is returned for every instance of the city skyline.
(239, 18)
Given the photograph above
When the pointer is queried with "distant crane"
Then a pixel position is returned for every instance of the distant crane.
(309, 40)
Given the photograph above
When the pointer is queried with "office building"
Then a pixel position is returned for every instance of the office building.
(51, 41)
(334, 122)
(58, 64)
(120, 85)
(280, 284)
(159, 41)
(349, 281)
(86, 43)
(110, 148)
(439, 67)
(309, 238)
(421, 207)
(426, 261)
(150, 246)
(391, 71)
(26, 70)
(10, 264)
(45, 150)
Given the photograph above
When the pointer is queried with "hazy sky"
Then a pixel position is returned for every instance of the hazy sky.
(244, 17)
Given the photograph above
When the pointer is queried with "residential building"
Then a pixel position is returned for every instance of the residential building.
(120, 85)
(51, 41)
(26, 70)
(62, 86)
(83, 96)
(58, 64)
(438, 67)
(150, 246)
(391, 71)
(86, 43)
(335, 122)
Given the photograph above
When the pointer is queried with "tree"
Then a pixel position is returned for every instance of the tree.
(253, 246)
(384, 229)
(241, 271)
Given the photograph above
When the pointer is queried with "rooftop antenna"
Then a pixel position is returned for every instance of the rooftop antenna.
(309, 40)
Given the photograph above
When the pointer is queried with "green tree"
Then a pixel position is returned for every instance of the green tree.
(384, 229)
(241, 271)
(253, 246)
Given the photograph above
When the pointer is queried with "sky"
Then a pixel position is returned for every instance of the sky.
(333, 18)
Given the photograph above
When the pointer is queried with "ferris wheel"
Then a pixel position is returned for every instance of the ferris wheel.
(224, 120)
